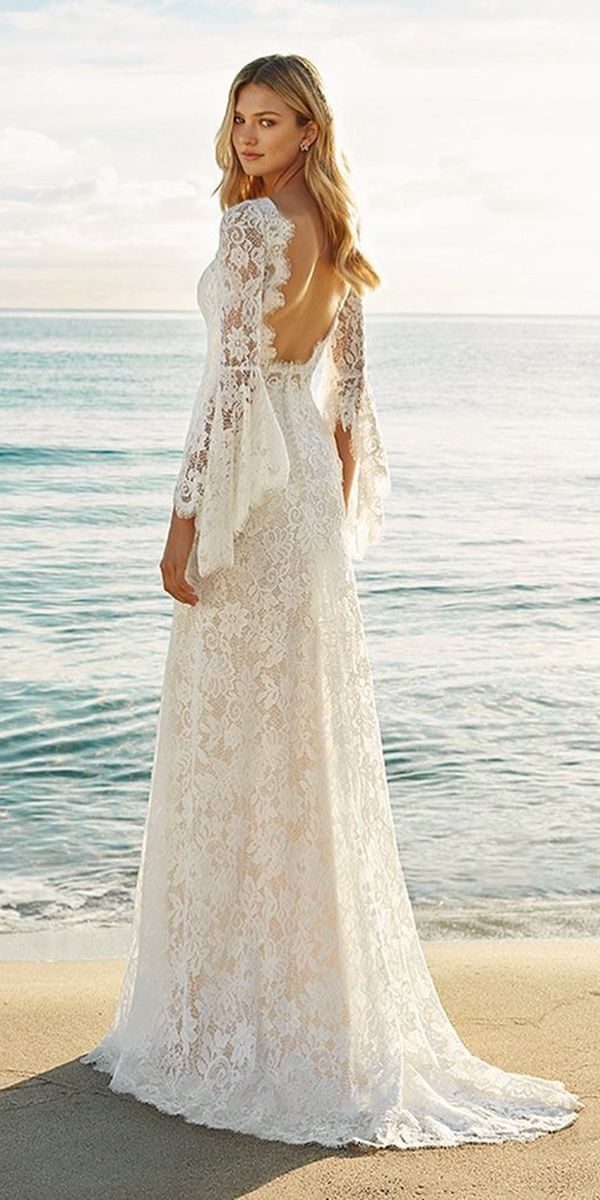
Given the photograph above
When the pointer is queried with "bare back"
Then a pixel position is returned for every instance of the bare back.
(314, 291)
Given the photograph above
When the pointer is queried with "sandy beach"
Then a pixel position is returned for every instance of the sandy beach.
(526, 1005)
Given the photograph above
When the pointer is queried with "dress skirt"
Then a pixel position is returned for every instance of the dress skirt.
(275, 983)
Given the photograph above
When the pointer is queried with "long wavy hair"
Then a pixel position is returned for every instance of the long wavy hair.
(326, 169)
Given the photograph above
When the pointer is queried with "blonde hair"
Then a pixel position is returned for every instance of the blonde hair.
(326, 170)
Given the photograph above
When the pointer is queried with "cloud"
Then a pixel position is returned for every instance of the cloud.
(470, 128)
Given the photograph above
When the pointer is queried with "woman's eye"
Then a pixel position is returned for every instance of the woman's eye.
(236, 120)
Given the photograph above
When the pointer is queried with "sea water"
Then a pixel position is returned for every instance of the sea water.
(480, 609)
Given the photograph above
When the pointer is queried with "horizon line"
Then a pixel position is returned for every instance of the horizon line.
(381, 313)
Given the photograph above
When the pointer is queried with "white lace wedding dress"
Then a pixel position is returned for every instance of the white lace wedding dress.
(275, 983)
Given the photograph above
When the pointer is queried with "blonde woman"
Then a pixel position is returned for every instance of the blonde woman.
(275, 983)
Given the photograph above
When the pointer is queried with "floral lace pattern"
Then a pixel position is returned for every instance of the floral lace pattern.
(275, 982)
(348, 398)
(234, 452)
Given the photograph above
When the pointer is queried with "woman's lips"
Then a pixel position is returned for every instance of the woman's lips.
(249, 155)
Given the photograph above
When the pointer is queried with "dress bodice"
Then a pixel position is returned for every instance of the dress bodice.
(236, 450)
(280, 231)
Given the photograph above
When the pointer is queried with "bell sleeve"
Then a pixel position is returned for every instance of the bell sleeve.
(234, 451)
(347, 399)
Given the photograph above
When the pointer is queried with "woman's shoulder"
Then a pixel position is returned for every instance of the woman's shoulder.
(248, 230)
(249, 213)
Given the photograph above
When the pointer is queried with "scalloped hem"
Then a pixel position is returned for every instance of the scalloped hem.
(535, 1126)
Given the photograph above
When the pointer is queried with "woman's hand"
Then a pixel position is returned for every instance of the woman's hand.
(175, 557)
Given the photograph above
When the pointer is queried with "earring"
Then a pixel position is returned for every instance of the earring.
(304, 146)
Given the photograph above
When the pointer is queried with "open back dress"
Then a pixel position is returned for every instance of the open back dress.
(275, 983)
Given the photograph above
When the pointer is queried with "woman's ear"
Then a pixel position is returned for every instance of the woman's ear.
(311, 132)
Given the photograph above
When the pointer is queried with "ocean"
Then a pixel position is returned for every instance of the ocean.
(480, 609)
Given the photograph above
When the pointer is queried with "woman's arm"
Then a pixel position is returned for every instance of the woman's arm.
(350, 412)
(342, 438)
(235, 452)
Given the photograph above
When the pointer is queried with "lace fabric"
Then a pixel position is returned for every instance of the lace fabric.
(349, 400)
(275, 983)
(234, 453)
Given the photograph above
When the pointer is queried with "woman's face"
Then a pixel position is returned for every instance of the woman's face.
(264, 127)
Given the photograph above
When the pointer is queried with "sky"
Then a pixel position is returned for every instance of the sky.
(471, 129)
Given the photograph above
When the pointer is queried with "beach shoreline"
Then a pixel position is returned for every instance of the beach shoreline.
(532, 918)
(530, 1005)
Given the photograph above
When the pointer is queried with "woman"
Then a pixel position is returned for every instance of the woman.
(276, 984)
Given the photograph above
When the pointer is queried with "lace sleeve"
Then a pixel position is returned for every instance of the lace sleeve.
(348, 400)
(234, 449)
